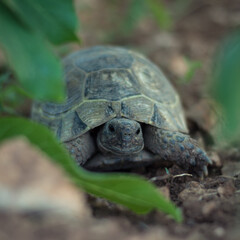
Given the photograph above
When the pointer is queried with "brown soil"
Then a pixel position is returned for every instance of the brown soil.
(210, 206)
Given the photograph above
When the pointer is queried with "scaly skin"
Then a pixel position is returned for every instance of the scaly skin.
(177, 147)
(81, 148)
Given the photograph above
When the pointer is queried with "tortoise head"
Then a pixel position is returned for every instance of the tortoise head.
(121, 136)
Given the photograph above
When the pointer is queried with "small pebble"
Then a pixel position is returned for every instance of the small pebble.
(219, 231)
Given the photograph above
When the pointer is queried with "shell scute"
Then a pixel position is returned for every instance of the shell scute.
(114, 85)
(153, 82)
(105, 59)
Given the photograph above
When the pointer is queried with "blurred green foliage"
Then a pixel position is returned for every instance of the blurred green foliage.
(226, 85)
(192, 67)
(160, 13)
(12, 95)
(135, 11)
(27, 28)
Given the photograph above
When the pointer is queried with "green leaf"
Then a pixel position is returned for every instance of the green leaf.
(36, 67)
(226, 84)
(11, 98)
(4, 78)
(192, 67)
(131, 191)
(55, 19)
(160, 13)
(135, 11)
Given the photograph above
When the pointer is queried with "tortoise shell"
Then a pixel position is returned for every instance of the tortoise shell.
(108, 82)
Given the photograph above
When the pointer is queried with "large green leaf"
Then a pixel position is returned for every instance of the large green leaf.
(132, 191)
(135, 11)
(160, 13)
(226, 84)
(56, 19)
(36, 67)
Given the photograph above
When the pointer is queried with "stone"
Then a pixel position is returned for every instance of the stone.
(29, 181)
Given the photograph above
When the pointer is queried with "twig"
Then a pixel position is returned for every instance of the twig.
(183, 175)
(161, 178)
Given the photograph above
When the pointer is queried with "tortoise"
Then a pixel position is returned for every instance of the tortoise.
(120, 112)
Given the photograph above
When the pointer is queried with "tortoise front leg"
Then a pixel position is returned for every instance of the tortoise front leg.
(81, 148)
(177, 147)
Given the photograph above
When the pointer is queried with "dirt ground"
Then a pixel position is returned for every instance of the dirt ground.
(211, 206)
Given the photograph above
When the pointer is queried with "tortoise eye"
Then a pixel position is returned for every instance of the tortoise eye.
(111, 128)
(138, 131)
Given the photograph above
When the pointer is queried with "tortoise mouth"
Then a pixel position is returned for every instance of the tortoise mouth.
(120, 150)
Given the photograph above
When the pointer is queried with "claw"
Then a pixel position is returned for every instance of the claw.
(205, 170)
(207, 159)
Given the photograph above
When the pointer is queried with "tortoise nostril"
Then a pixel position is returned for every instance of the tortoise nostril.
(138, 131)
(111, 128)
